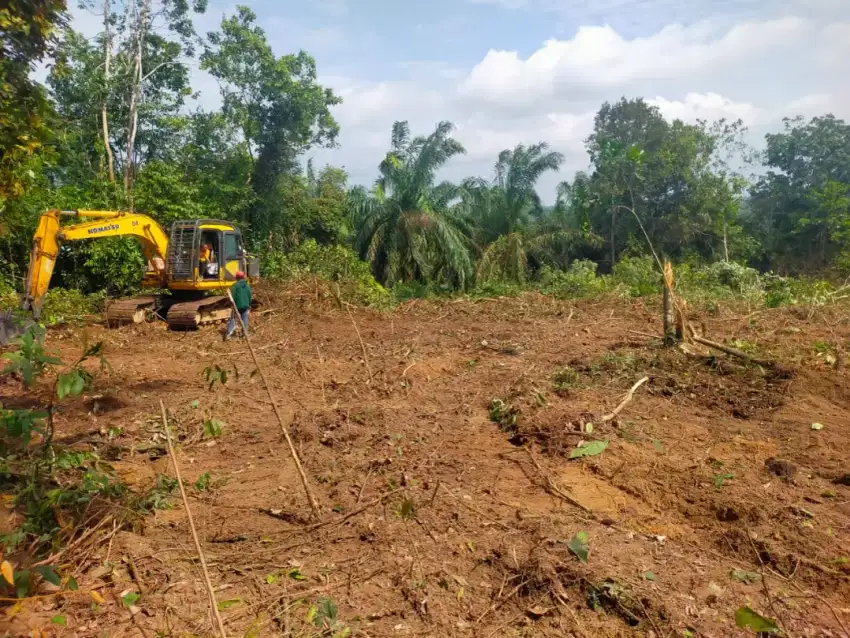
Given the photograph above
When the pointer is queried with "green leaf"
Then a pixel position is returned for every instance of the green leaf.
(195, 404)
(203, 482)
(593, 448)
(648, 576)
(817, 426)
(48, 574)
(720, 479)
(295, 574)
(23, 579)
(746, 618)
(579, 546)
(129, 598)
(743, 576)
(59, 620)
(658, 445)
(213, 428)
(227, 604)
(271, 579)
(72, 584)
(327, 611)
(311, 614)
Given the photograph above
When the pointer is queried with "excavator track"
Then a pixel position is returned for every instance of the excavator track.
(125, 311)
(191, 314)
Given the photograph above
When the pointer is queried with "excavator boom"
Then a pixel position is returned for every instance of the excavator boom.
(49, 234)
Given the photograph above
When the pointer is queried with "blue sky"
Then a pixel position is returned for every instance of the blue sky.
(520, 71)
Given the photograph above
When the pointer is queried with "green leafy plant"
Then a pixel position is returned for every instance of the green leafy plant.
(504, 414)
(744, 576)
(579, 545)
(215, 374)
(720, 479)
(564, 379)
(407, 509)
(202, 484)
(34, 470)
(591, 448)
(159, 496)
(213, 428)
(746, 618)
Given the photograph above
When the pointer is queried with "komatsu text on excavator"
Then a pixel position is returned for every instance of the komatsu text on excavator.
(196, 258)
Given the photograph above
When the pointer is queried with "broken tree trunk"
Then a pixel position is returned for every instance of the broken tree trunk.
(669, 303)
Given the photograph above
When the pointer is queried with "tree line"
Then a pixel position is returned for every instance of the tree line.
(112, 128)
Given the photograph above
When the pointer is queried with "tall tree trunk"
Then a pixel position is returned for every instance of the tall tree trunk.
(725, 244)
(107, 59)
(613, 245)
(135, 97)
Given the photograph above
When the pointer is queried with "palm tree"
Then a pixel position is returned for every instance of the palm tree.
(409, 229)
(510, 216)
(510, 202)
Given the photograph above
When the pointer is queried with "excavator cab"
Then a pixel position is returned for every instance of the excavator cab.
(206, 254)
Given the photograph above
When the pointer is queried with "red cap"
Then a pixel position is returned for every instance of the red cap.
(240, 275)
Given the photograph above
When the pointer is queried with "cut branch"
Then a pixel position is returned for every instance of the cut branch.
(625, 402)
(733, 351)
(207, 581)
(313, 505)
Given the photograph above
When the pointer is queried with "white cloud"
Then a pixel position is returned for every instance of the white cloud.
(598, 58)
(709, 107)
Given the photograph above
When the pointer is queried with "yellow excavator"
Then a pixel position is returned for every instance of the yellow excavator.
(196, 258)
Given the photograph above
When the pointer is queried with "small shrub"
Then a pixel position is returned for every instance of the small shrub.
(412, 290)
(564, 379)
(504, 414)
(332, 263)
(579, 280)
(639, 275)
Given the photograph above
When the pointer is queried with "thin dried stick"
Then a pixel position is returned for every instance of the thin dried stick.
(554, 489)
(203, 560)
(354, 513)
(321, 374)
(313, 505)
(362, 345)
(475, 509)
(619, 408)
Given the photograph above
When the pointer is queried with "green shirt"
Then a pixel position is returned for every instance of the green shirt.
(241, 292)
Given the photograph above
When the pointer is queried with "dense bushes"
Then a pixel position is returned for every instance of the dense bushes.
(333, 263)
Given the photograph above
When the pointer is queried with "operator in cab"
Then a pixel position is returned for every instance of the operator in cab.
(206, 255)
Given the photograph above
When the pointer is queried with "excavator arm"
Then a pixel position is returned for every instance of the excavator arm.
(49, 235)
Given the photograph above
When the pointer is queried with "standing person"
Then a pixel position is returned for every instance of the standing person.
(241, 293)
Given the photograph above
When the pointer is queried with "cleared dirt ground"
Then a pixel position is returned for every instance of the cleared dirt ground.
(714, 492)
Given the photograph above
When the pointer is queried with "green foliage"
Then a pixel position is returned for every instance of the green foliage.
(639, 275)
(275, 103)
(591, 448)
(579, 280)
(333, 263)
(159, 496)
(504, 414)
(564, 379)
(746, 618)
(215, 374)
(29, 361)
(580, 546)
(409, 229)
(213, 428)
(33, 471)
